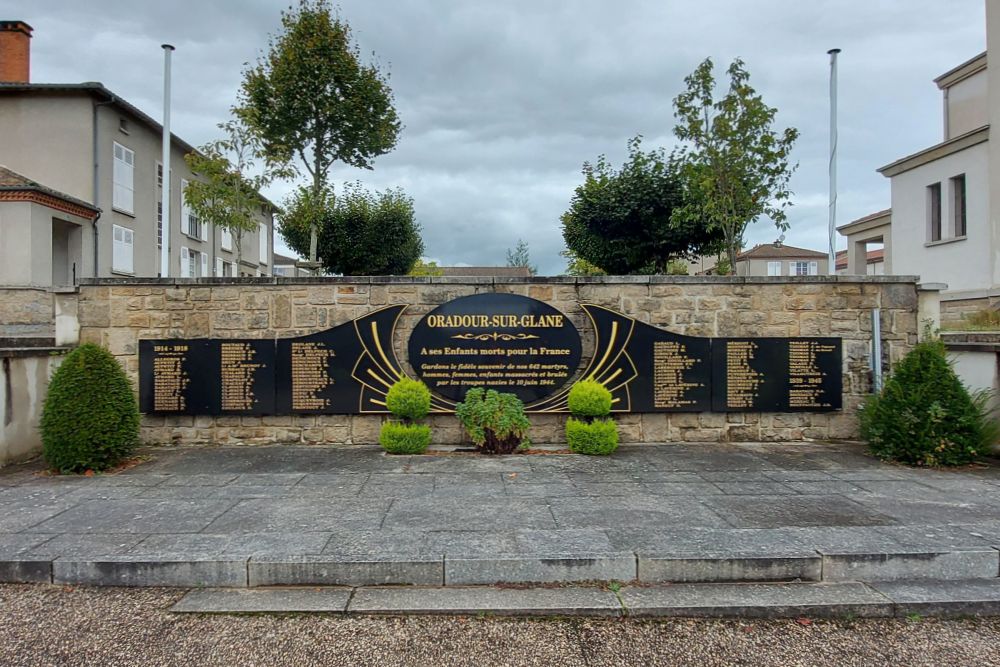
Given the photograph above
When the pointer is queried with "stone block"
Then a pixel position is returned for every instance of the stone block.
(966, 564)
(145, 571)
(493, 601)
(273, 601)
(531, 568)
(691, 568)
(977, 597)
(334, 571)
(26, 570)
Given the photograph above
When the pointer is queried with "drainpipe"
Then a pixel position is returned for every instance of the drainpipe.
(97, 176)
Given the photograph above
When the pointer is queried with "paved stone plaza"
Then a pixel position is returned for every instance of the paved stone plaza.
(354, 516)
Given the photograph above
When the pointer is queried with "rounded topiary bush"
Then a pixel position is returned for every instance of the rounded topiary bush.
(399, 438)
(598, 437)
(925, 415)
(90, 420)
(409, 399)
(589, 398)
(495, 421)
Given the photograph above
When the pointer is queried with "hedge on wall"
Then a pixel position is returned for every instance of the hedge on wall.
(90, 420)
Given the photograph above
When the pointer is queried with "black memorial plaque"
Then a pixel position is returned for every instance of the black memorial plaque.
(776, 374)
(506, 342)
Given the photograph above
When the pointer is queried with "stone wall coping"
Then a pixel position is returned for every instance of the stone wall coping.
(488, 280)
(22, 352)
(987, 337)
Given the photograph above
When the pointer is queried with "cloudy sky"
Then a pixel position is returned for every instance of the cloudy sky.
(503, 101)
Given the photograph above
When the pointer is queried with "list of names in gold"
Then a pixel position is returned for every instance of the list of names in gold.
(742, 381)
(170, 379)
(670, 362)
(310, 375)
(805, 378)
(237, 367)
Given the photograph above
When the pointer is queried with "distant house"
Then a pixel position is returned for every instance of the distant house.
(874, 265)
(84, 142)
(778, 259)
(290, 267)
(944, 223)
(487, 271)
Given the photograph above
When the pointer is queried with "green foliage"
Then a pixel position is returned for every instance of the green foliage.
(90, 419)
(677, 267)
(589, 398)
(925, 415)
(409, 399)
(723, 267)
(982, 320)
(311, 98)
(399, 438)
(623, 221)
(735, 167)
(519, 256)
(495, 421)
(359, 234)
(228, 192)
(579, 267)
(595, 438)
(422, 268)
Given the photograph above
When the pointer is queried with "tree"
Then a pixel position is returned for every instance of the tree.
(519, 256)
(229, 194)
(361, 233)
(623, 221)
(422, 268)
(311, 98)
(735, 166)
(579, 267)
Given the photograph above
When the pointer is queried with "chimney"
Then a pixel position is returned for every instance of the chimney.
(15, 52)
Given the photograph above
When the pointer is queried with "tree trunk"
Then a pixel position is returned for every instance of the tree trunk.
(731, 249)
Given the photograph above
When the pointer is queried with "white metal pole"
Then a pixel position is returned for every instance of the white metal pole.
(832, 259)
(165, 248)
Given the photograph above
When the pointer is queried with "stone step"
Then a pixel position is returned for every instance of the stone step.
(455, 569)
(780, 600)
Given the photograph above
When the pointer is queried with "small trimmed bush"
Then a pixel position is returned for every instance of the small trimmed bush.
(596, 438)
(409, 399)
(90, 419)
(495, 421)
(400, 438)
(589, 398)
(925, 415)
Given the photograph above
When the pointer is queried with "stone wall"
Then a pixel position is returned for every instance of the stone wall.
(955, 312)
(117, 313)
(24, 383)
(26, 311)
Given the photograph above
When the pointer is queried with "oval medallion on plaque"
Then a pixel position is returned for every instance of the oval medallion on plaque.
(505, 342)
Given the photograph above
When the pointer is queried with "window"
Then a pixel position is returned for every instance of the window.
(224, 269)
(958, 205)
(190, 223)
(121, 257)
(159, 224)
(159, 174)
(123, 192)
(803, 268)
(194, 264)
(263, 243)
(123, 125)
(774, 268)
(934, 211)
(227, 239)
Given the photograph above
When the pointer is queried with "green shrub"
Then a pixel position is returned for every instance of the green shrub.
(925, 415)
(495, 421)
(409, 399)
(589, 398)
(90, 419)
(598, 437)
(400, 438)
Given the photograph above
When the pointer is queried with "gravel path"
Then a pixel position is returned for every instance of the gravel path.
(49, 625)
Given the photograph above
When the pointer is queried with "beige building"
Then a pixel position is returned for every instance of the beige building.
(91, 145)
(778, 259)
(944, 223)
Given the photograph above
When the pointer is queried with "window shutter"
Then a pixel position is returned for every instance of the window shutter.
(128, 245)
(204, 265)
(184, 209)
(263, 243)
(813, 268)
(220, 267)
(204, 232)
(185, 263)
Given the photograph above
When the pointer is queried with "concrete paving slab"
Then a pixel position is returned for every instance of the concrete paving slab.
(943, 598)
(539, 568)
(798, 510)
(756, 600)
(337, 571)
(26, 570)
(915, 565)
(125, 570)
(135, 515)
(284, 515)
(267, 600)
(491, 601)
(87, 546)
